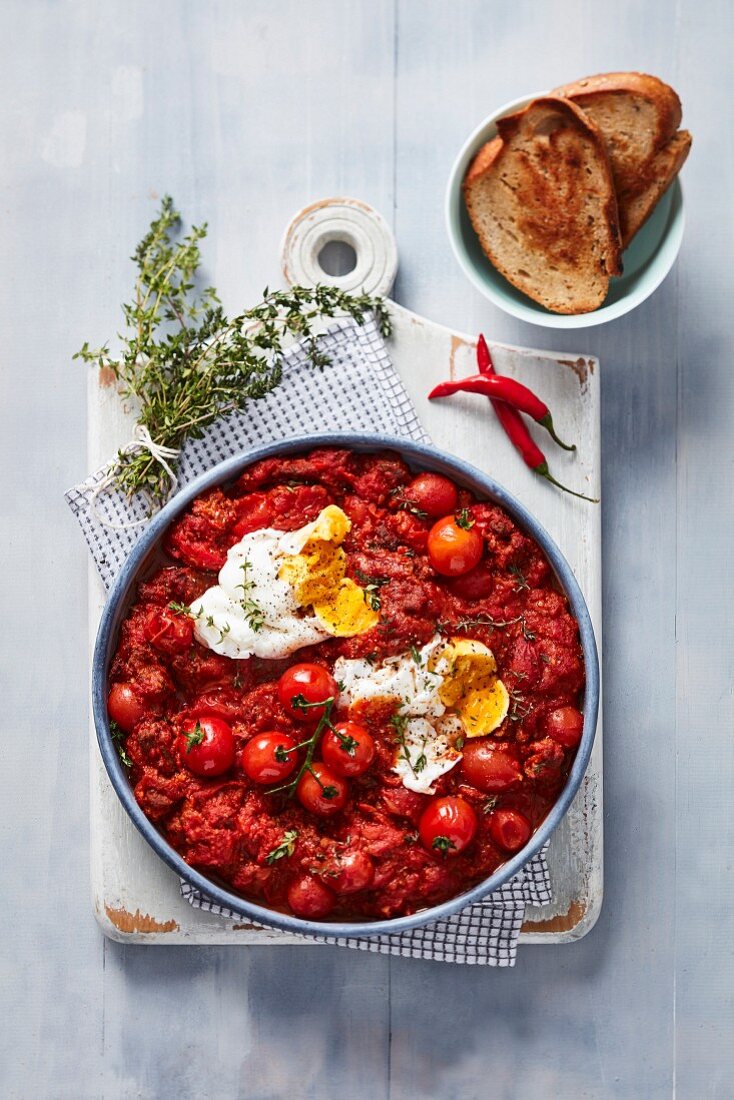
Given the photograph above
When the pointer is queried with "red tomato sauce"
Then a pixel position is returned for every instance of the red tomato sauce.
(228, 827)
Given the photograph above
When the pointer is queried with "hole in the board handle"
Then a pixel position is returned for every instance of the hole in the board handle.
(337, 258)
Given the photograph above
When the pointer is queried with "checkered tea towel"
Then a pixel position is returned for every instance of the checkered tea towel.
(359, 391)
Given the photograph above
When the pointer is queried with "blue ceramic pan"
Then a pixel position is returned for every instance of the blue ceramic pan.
(419, 457)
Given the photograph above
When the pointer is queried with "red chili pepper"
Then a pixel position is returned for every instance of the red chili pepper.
(484, 359)
(504, 389)
(515, 427)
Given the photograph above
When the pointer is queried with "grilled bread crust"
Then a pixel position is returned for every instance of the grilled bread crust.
(638, 116)
(541, 199)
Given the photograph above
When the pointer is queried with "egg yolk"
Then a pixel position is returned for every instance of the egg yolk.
(317, 575)
(471, 687)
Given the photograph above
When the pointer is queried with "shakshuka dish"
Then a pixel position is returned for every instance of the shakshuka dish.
(346, 690)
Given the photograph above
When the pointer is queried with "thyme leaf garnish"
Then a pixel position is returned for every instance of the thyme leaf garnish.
(519, 708)
(285, 849)
(254, 614)
(371, 587)
(118, 738)
(399, 722)
(422, 760)
(404, 504)
(181, 608)
(486, 620)
(522, 584)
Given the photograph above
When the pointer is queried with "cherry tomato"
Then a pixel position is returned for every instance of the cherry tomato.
(269, 757)
(314, 683)
(168, 630)
(453, 549)
(509, 829)
(447, 825)
(489, 768)
(565, 725)
(348, 751)
(206, 745)
(125, 707)
(321, 791)
(350, 872)
(477, 584)
(433, 494)
(309, 898)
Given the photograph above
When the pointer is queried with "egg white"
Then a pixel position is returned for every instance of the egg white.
(223, 616)
(440, 697)
(426, 752)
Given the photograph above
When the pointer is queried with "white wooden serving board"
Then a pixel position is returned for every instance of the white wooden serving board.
(135, 896)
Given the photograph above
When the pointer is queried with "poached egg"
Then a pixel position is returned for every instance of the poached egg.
(446, 691)
(281, 590)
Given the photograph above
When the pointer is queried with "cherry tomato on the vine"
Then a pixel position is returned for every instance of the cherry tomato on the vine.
(433, 494)
(348, 749)
(125, 707)
(321, 791)
(168, 630)
(269, 757)
(206, 745)
(350, 872)
(490, 769)
(309, 898)
(477, 584)
(509, 829)
(313, 683)
(447, 825)
(454, 545)
(565, 725)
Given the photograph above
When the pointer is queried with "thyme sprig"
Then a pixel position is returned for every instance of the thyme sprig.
(399, 723)
(371, 588)
(118, 738)
(184, 362)
(254, 614)
(285, 849)
(487, 620)
(405, 504)
(520, 708)
(181, 608)
(520, 579)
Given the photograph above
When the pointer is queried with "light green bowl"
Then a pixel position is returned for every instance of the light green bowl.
(647, 261)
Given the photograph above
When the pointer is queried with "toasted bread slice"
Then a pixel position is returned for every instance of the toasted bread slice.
(639, 205)
(639, 117)
(541, 199)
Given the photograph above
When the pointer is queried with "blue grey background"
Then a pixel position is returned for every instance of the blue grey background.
(246, 112)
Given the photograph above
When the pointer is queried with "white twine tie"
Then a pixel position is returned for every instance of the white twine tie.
(141, 441)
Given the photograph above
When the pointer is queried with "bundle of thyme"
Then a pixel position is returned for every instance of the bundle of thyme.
(184, 362)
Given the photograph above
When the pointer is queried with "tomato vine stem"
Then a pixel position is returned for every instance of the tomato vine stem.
(299, 703)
